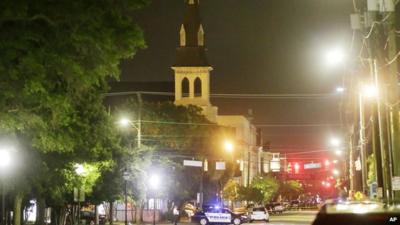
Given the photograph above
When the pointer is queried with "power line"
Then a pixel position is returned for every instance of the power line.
(300, 125)
(234, 96)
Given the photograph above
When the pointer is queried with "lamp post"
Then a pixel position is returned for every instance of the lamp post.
(154, 183)
(80, 171)
(125, 122)
(126, 177)
(136, 125)
(5, 161)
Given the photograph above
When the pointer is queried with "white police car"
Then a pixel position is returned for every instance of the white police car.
(217, 215)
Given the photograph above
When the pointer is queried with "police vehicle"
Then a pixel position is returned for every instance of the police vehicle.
(217, 215)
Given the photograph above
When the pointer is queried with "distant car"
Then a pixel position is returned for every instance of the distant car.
(218, 215)
(258, 214)
(295, 204)
(358, 213)
(275, 207)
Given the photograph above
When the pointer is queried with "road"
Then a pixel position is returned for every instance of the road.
(290, 218)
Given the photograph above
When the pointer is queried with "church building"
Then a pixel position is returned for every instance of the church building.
(192, 74)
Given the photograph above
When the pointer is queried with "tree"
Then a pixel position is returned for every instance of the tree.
(251, 194)
(55, 61)
(267, 185)
(290, 189)
(231, 190)
(171, 133)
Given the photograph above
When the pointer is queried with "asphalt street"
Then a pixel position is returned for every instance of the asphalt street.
(290, 218)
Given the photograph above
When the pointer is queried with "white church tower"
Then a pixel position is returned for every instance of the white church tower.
(192, 71)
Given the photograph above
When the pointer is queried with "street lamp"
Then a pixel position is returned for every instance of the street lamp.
(369, 90)
(126, 177)
(228, 146)
(335, 142)
(340, 89)
(5, 158)
(5, 161)
(125, 122)
(334, 56)
(80, 171)
(154, 183)
(335, 172)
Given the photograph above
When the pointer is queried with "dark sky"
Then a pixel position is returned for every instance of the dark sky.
(258, 46)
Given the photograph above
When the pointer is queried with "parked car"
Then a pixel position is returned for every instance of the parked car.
(258, 214)
(218, 215)
(275, 207)
(295, 204)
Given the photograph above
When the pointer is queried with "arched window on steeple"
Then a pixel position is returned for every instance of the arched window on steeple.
(200, 36)
(197, 87)
(185, 87)
(182, 34)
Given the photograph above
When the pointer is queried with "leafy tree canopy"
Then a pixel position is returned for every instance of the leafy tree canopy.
(55, 60)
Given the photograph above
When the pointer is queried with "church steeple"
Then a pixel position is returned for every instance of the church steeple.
(192, 71)
(191, 50)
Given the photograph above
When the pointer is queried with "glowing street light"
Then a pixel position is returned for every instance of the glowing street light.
(340, 89)
(124, 122)
(228, 146)
(335, 142)
(5, 158)
(369, 91)
(335, 172)
(154, 181)
(334, 56)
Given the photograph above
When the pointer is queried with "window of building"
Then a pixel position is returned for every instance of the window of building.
(197, 87)
(185, 87)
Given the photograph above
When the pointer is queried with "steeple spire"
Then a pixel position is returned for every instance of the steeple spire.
(191, 69)
(191, 50)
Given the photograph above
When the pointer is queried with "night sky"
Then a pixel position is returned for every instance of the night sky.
(263, 47)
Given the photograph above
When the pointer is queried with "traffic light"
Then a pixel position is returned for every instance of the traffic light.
(296, 168)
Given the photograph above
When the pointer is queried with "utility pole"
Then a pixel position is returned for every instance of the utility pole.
(383, 137)
(351, 162)
(248, 166)
(363, 149)
(393, 97)
(377, 152)
(139, 120)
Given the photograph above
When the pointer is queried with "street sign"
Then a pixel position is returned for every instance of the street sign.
(396, 183)
(312, 166)
(193, 163)
(220, 166)
(275, 165)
